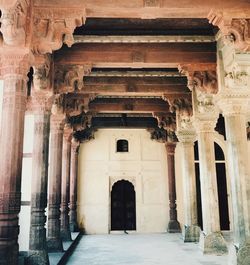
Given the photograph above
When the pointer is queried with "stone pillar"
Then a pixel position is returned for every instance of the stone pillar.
(65, 228)
(235, 111)
(173, 225)
(73, 186)
(54, 240)
(38, 254)
(14, 69)
(191, 231)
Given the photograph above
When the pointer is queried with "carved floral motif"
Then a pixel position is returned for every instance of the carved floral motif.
(236, 78)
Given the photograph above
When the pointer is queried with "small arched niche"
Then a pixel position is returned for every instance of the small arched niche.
(122, 146)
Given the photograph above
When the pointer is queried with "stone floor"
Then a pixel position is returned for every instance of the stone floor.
(134, 249)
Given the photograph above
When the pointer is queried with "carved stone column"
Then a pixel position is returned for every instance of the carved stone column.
(65, 228)
(173, 225)
(73, 186)
(186, 136)
(234, 99)
(54, 240)
(14, 69)
(211, 240)
(41, 106)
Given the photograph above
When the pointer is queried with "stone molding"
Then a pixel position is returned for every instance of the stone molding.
(234, 30)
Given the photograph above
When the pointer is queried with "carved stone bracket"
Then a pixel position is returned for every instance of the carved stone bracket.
(234, 30)
(42, 72)
(79, 122)
(14, 26)
(177, 103)
(167, 123)
(205, 81)
(55, 26)
(70, 79)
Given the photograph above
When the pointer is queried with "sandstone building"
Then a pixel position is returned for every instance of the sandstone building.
(137, 118)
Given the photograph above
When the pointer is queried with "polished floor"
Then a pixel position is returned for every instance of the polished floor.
(134, 249)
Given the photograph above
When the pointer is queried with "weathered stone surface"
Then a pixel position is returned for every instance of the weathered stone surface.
(213, 243)
(191, 233)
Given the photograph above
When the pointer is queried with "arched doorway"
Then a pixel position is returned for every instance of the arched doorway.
(123, 209)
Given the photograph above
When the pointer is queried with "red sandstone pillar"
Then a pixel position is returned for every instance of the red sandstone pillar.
(40, 106)
(14, 69)
(73, 186)
(54, 240)
(173, 225)
(65, 228)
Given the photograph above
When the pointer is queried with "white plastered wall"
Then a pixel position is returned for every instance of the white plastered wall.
(145, 165)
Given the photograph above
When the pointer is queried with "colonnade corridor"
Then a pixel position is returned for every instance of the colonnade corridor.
(140, 249)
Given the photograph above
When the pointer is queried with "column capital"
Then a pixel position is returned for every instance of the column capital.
(40, 102)
(15, 62)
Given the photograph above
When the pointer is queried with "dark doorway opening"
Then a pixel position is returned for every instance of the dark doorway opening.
(222, 187)
(123, 210)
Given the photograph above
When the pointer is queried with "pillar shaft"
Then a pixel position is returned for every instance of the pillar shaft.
(209, 198)
(173, 226)
(37, 246)
(65, 228)
(238, 168)
(54, 240)
(191, 231)
(14, 70)
(73, 186)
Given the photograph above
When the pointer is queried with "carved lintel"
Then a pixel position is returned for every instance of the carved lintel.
(138, 57)
(152, 3)
(55, 26)
(14, 23)
(234, 30)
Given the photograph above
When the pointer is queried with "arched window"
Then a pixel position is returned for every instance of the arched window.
(122, 145)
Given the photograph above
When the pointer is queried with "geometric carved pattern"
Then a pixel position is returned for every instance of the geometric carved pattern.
(10, 202)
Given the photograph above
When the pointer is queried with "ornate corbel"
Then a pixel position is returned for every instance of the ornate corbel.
(54, 27)
(42, 71)
(70, 79)
(205, 80)
(234, 30)
(79, 122)
(14, 26)
(167, 122)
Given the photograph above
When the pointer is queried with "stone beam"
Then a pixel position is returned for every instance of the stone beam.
(121, 105)
(161, 55)
(147, 8)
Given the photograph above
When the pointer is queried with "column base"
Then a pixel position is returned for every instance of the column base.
(38, 257)
(191, 233)
(66, 235)
(213, 243)
(54, 245)
(174, 227)
(239, 255)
